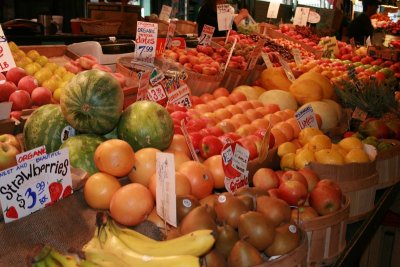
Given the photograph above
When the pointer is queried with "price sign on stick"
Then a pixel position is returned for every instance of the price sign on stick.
(287, 69)
(165, 13)
(170, 34)
(297, 57)
(230, 54)
(146, 41)
(225, 17)
(206, 35)
(267, 60)
(273, 9)
(165, 191)
(180, 96)
(35, 184)
(234, 162)
(301, 16)
(6, 58)
(306, 118)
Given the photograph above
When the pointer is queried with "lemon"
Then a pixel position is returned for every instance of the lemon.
(287, 147)
(356, 155)
(303, 157)
(318, 142)
(306, 134)
(329, 156)
(287, 162)
(351, 142)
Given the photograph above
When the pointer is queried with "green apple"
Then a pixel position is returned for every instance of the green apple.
(11, 140)
(8, 155)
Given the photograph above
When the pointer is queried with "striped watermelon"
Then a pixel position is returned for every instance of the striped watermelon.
(146, 124)
(81, 151)
(92, 102)
(46, 126)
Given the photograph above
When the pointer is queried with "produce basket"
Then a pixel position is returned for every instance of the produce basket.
(255, 74)
(100, 27)
(233, 78)
(201, 83)
(185, 27)
(162, 24)
(327, 235)
(388, 167)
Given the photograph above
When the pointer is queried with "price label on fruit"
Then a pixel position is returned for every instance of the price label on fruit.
(170, 34)
(157, 94)
(166, 194)
(6, 57)
(146, 41)
(35, 184)
(297, 57)
(273, 9)
(144, 79)
(267, 60)
(5, 108)
(180, 96)
(225, 14)
(306, 118)
(165, 13)
(287, 69)
(206, 35)
(235, 159)
(256, 54)
(301, 16)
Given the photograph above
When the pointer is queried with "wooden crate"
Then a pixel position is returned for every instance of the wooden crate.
(233, 78)
(388, 167)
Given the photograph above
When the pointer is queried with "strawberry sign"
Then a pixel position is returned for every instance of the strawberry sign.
(34, 184)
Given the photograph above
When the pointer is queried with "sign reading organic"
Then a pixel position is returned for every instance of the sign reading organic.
(35, 184)
(6, 58)
(224, 17)
(146, 41)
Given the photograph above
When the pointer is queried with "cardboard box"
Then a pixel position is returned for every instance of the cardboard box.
(128, 14)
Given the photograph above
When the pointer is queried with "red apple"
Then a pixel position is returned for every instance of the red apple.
(325, 199)
(73, 67)
(214, 130)
(293, 192)
(11, 140)
(28, 83)
(250, 146)
(15, 74)
(41, 96)
(311, 177)
(8, 155)
(179, 115)
(6, 89)
(331, 184)
(210, 146)
(265, 178)
(229, 137)
(196, 137)
(21, 100)
(303, 214)
(2, 77)
(295, 176)
(273, 192)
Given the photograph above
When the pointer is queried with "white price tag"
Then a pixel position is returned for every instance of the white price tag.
(206, 35)
(35, 184)
(267, 60)
(301, 16)
(286, 68)
(31, 154)
(227, 155)
(306, 118)
(5, 109)
(165, 191)
(156, 93)
(165, 13)
(297, 57)
(225, 14)
(180, 96)
(170, 34)
(256, 54)
(146, 41)
(273, 9)
(330, 46)
(314, 17)
(144, 79)
(240, 159)
(6, 57)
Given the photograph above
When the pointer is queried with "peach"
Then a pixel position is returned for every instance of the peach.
(15, 74)
(28, 83)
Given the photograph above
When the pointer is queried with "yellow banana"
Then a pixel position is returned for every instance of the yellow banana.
(50, 262)
(196, 243)
(39, 264)
(111, 244)
(64, 260)
(131, 232)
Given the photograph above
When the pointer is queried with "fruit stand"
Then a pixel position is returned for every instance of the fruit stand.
(281, 148)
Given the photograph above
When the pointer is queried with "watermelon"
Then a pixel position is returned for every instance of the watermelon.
(92, 102)
(81, 151)
(146, 124)
(46, 126)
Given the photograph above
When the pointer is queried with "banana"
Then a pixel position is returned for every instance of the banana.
(50, 262)
(64, 260)
(196, 243)
(111, 245)
(39, 264)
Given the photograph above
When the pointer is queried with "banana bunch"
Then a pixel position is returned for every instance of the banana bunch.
(123, 247)
(50, 257)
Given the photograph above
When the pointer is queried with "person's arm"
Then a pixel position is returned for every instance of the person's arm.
(243, 13)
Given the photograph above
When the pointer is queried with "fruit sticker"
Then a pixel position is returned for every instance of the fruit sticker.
(234, 162)
(6, 59)
(67, 132)
(34, 184)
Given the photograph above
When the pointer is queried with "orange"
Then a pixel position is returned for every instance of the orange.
(178, 144)
(115, 157)
(303, 157)
(356, 155)
(182, 185)
(285, 148)
(351, 142)
(306, 134)
(145, 165)
(329, 156)
(287, 162)
(99, 189)
(318, 142)
(341, 150)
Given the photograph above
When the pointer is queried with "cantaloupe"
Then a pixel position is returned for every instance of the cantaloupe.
(275, 78)
(283, 99)
(326, 85)
(251, 92)
(328, 114)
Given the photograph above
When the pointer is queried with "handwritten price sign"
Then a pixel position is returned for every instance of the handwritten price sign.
(157, 94)
(206, 35)
(146, 41)
(6, 58)
(306, 118)
(35, 184)
(224, 17)
(301, 16)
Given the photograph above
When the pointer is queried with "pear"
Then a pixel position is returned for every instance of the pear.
(214, 259)
(229, 208)
(184, 204)
(196, 219)
(227, 237)
(243, 255)
(287, 238)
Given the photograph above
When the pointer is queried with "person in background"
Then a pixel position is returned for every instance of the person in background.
(361, 27)
(208, 15)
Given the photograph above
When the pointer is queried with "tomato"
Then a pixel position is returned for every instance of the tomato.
(115, 157)
(99, 189)
(214, 164)
(182, 185)
(200, 178)
(131, 204)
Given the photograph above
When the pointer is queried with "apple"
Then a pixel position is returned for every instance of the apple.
(374, 127)
(294, 176)
(15, 74)
(28, 83)
(11, 140)
(196, 137)
(250, 146)
(303, 214)
(265, 178)
(41, 96)
(179, 115)
(229, 137)
(2, 77)
(332, 184)
(325, 199)
(6, 89)
(210, 145)
(21, 100)
(214, 130)
(293, 192)
(8, 155)
(311, 177)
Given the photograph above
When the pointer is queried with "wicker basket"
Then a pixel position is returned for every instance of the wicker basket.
(185, 27)
(100, 27)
